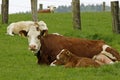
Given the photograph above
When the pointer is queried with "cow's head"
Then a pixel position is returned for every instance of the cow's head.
(52, 8)
(34, 33)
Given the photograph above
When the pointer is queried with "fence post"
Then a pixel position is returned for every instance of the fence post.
(76, 14)
(103, 6)
(34, 10)
(0, 8)
(4, 13)
(115, 16)
(40, 6)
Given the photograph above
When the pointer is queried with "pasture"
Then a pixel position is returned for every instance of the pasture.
(18, 63)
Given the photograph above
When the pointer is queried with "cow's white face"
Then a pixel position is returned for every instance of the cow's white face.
(33, 36)
(52, 8)
(34, 42)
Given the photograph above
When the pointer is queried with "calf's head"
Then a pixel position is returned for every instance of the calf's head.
(64, 56)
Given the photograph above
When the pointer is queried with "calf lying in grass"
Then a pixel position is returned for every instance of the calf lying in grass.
(68, 59)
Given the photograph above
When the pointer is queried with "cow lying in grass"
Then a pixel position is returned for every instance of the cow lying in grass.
(22, 27)
(47, 46)
(68, 59)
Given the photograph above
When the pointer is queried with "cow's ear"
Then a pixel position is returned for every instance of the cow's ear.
(44, 33)
(23, 33)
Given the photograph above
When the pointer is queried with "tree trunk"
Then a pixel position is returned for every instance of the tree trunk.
(76, 14)
(115, 16)
(5, 6)
(34, 10)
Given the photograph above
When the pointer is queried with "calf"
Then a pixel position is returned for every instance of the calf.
(68, 59)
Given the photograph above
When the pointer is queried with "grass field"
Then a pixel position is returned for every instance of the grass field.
(18, 63)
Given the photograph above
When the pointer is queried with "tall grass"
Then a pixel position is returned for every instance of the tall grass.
(18, 63)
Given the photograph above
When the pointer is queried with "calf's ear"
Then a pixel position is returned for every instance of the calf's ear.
(23, 33)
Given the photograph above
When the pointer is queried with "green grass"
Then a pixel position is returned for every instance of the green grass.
(18, 63)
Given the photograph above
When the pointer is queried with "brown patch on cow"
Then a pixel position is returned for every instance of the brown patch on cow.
(44, 11)
(23, 33)
(114, 53)
(68, 59)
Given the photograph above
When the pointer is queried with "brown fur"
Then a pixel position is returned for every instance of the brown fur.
(68, 59)
(23, 33)
(52, 44)
(44, 11)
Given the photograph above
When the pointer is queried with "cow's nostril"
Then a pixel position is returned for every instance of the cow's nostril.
(32, 46)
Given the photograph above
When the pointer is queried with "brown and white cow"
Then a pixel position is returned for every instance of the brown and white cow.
(47, 46)
(68, 59)
(50, 9)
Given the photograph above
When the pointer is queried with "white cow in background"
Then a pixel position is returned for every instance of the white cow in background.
(17, 27)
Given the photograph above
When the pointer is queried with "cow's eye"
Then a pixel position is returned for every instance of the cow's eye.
(38, 36)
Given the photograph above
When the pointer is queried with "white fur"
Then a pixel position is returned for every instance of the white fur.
(111, 62)
(33, 40)
(59, 54)
(57, 34)
(52, 64)
(43, 25)
(52, 8)
(33, 35)
(23, 25)
(104, 48)
(102, 59)
(18, 26)
(107, 53)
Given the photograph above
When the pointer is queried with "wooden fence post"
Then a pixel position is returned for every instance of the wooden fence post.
(40, 6)
(115, 16)
(103, 6)
(34, 10)
(4, 13)
(76, 14)
(0, 8)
